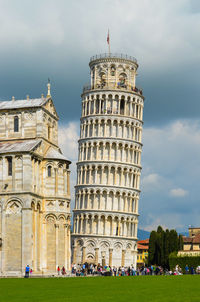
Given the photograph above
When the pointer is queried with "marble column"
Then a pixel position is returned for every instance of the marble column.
(123, 257)
(74, 254)
(83, 254)
(96, 255)
(110, 256)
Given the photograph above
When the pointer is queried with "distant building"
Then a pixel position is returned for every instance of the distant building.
(142, 255)
(191, 244)
(34, 189)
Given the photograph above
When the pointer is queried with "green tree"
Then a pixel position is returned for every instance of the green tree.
(173, 241)
(180, 242)
(161, 244)
(152, 248)
(166, 249)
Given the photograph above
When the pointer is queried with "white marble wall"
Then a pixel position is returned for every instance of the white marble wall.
(109, 166)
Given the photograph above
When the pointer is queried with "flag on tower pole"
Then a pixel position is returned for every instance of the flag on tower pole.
(108, 41)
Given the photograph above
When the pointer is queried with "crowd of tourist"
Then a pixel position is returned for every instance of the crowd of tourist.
(90, 269)
(98, 270)
(188, 270)
(87, 269)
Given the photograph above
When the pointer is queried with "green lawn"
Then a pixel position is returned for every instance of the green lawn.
(143, 288)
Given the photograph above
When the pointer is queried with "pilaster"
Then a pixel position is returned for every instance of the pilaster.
(26, 237)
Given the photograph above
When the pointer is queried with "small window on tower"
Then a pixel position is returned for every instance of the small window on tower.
(117, 231)
(49, 132)
(49, 171)
(16, 124)
(9, 159)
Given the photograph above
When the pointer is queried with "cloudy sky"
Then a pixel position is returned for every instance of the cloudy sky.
(55, 39)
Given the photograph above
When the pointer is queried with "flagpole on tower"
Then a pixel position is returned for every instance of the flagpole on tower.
(108, 41)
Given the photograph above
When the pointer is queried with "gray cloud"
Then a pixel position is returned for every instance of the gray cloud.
(68, 141)
(55, 39)
(170, 179)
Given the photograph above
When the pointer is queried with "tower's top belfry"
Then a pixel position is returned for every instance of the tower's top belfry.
(113, 71)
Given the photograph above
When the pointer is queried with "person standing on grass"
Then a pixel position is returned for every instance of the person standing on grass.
(90, 271)
(63, 271)
(133, 272)
(27, 270)
(58, 270)
(187, 269)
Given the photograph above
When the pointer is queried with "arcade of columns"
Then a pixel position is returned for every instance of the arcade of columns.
(109, 165)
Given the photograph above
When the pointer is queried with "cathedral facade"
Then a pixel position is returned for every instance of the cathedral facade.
(34, 189)
(109, 164)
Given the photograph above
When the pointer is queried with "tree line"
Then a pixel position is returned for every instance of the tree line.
(161, 245)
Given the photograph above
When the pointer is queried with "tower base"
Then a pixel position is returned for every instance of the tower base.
(104, 251)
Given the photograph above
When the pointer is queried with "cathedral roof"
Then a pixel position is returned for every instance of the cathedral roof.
(22, 103)
(18, 146)
(54, 154)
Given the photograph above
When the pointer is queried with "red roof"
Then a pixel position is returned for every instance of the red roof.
(195, 239)
(187, 239)
(142, 247)
(146, 241)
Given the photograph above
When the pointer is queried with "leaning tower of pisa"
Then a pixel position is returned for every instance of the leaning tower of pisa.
(109, 164)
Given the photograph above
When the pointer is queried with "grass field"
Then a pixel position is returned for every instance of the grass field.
(143, 288)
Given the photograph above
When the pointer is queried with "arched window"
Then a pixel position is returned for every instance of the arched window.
(122, 80)
(122, 105)
(97, 105)
(16, 124)
(117, 231)
(49, 171)
(112, 70)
